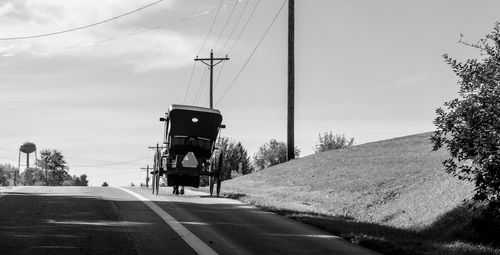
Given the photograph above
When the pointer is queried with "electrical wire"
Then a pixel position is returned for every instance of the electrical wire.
(218, 76)
(189, 84)
(235, 25)
(217, 80)
(201, 48)
(111, 164)
(251, 54)
(211, 27)
(8, 158)
(244, 26)
(200, 87)
(88, 159)
(227, 22)
(93, 43)
(79, 28)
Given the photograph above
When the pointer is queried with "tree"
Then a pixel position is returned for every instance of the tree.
(32, 176)
(80, 181)
(272, 153)
(54, 165)
(236, 159)
(469, 127)
(75, 180)
(4, 180)
(7, 174)
(328, 142)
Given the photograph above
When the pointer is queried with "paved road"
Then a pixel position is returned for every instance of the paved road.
(96, 220)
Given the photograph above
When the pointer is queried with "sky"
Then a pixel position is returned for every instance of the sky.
(371, 70)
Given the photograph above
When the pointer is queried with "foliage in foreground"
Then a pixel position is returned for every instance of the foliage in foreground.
(469, 127)
(328, 142)
(272, 153)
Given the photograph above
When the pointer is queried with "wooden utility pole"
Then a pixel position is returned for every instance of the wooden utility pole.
(147, 175)
(291, 80)
(211, 66)
(157, 148)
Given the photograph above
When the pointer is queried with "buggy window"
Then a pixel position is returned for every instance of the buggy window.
(184, 144)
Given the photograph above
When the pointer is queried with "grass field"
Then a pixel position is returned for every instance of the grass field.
(392, 196)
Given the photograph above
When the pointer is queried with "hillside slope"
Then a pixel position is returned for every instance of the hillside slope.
(398, 182)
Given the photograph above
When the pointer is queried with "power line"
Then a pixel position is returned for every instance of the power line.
(93, 43)
(244, 26)
(111, 164)
(217, 80)
(218, 76)
(253, 52)
(225, 25)
(199, 51)
(199, 91)
(194, 64)
(235, 25)
(211, 26)
(79, 28)
(8, 158)
(211, 64)
(189, 84)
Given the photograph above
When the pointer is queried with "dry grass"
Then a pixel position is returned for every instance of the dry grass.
(392, 196)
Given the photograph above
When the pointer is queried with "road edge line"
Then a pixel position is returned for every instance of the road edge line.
(4, 192)
(192, 240)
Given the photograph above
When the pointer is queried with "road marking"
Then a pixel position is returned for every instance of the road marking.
(6, 191)
(197, 244)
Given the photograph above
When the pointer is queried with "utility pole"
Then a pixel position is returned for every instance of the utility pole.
(291, 80)
(18, 168)
(147, 175)
(157, 148)
(211, 66)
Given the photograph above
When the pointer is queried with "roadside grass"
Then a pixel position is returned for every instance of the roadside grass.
(391, 196)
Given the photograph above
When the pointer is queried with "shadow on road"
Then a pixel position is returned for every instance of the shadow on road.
(51, 223)
(460, 231)
(45, 223)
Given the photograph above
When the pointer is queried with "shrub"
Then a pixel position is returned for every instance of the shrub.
(328, 142)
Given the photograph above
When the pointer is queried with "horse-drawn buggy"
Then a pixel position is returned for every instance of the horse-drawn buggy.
(190, 148)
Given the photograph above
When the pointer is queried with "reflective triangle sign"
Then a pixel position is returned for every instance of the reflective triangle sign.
(190, 160)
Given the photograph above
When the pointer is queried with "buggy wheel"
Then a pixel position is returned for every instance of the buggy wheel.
(220, 170)
(218, 186)
(157, 182)
(153, 178)
(211, 181)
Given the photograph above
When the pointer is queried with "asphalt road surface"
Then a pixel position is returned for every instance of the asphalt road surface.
(108, 220)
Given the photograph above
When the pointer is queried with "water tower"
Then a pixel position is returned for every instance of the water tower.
(26, 148)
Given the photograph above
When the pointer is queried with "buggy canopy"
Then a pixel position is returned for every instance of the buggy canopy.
(194, 121)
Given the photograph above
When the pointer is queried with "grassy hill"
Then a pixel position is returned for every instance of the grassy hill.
(392, 196)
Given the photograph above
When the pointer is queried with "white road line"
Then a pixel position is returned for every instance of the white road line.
(5, 191)
(197, 244)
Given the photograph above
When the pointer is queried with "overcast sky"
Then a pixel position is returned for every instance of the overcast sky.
(371, 70)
